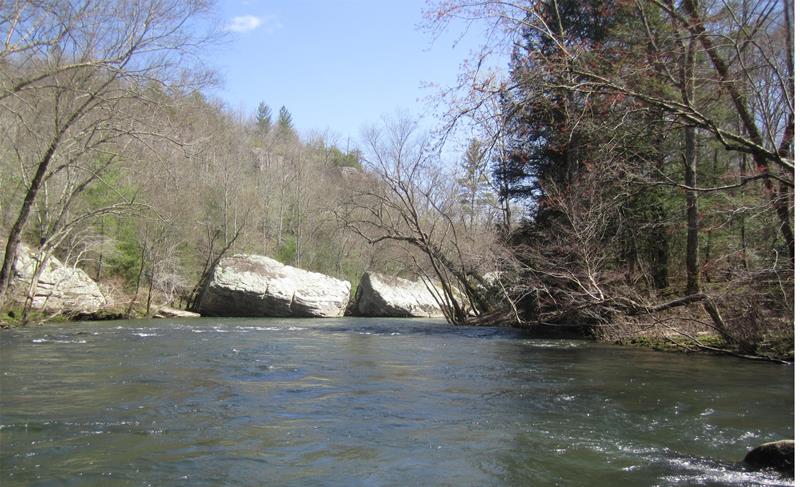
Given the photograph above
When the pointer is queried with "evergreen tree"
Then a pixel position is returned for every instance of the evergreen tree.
(285, 124)
(264, 118)
(552, 155)
(475, 191)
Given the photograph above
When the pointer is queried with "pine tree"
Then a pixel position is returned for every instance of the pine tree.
(264, 118)
(285, 124)
(475, 191)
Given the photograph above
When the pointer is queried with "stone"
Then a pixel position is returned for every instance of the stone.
(61, 288)
(167, 312)
(776, 455)
(258, 286)
(385, 296)
(492, 278)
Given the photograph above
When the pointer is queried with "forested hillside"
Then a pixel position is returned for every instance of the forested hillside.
(631, 172)
(114, 160)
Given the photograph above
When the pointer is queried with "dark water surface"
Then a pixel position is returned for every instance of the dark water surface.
(372, 402)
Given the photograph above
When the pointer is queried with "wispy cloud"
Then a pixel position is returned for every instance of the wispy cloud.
(244, 23)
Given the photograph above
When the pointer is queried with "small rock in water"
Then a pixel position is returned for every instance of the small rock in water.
(167, 312)
(777, 455)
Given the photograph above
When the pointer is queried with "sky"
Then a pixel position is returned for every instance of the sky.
(337, 64)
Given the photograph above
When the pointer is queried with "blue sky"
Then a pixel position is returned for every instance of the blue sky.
(337, 64)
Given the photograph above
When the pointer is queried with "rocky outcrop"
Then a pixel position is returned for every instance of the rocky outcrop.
(379, 295)
(254, 285)
(60, 289)
(167, 312)
(777, 455)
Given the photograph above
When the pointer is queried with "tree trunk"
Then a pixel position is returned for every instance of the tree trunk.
(784, 215)
(690, 175)
(100, 257)
(661, 259)
(742, 217)
(15, 234)
(138, 279)
(658, 237)
(779, 199)
(692, 224)
(42, 258)
(659, 244)
(149, 292)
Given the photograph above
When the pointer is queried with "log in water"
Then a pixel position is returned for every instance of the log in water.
(372, 402)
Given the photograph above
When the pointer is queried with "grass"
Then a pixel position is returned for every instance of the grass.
(12, 317)
(776, 347)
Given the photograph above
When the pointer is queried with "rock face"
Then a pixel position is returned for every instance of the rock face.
(61, 288)
(379, 295)
(777, 455)
(254, 285)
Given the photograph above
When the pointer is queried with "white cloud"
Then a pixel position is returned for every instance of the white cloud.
(244, 23)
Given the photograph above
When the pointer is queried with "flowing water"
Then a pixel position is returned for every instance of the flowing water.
(372, 402)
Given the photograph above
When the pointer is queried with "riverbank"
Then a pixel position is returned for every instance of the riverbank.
(688, 331)
(680, 330)
(779, 349)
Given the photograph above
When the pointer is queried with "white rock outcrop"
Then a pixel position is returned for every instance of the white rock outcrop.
(379, 295)
(255, 285)
(60, 289)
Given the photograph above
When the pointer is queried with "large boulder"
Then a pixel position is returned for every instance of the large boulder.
(60, 289)
(379, 295)
(776, 455)
(254, 285)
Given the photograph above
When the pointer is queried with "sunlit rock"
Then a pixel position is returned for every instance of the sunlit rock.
(167, 312)
(254, 285)
(60, 288)
(379, 295)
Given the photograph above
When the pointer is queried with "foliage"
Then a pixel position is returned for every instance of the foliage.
(638, 138)
(264, 118)
(349, 159)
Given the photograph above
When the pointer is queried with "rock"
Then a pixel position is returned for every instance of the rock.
(61, 288)
(379, 295)
(492, 278)
(167, 312)
(777, 455)
(348, 172)
(104, 314)
(254, 285)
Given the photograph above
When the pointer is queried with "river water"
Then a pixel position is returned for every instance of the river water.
(372, 402)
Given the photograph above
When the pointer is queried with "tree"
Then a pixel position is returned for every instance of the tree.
(757, 86)
(70, 75)
(285, 124)
(475, 194)
(406, 200)
(264, 118)
(680, 106)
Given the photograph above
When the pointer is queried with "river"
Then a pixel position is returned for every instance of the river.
(372, 402)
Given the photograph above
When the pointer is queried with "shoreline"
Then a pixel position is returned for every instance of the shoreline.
(779, 350)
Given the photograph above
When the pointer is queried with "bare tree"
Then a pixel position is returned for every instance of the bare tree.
(406, 199)
(70, 73)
